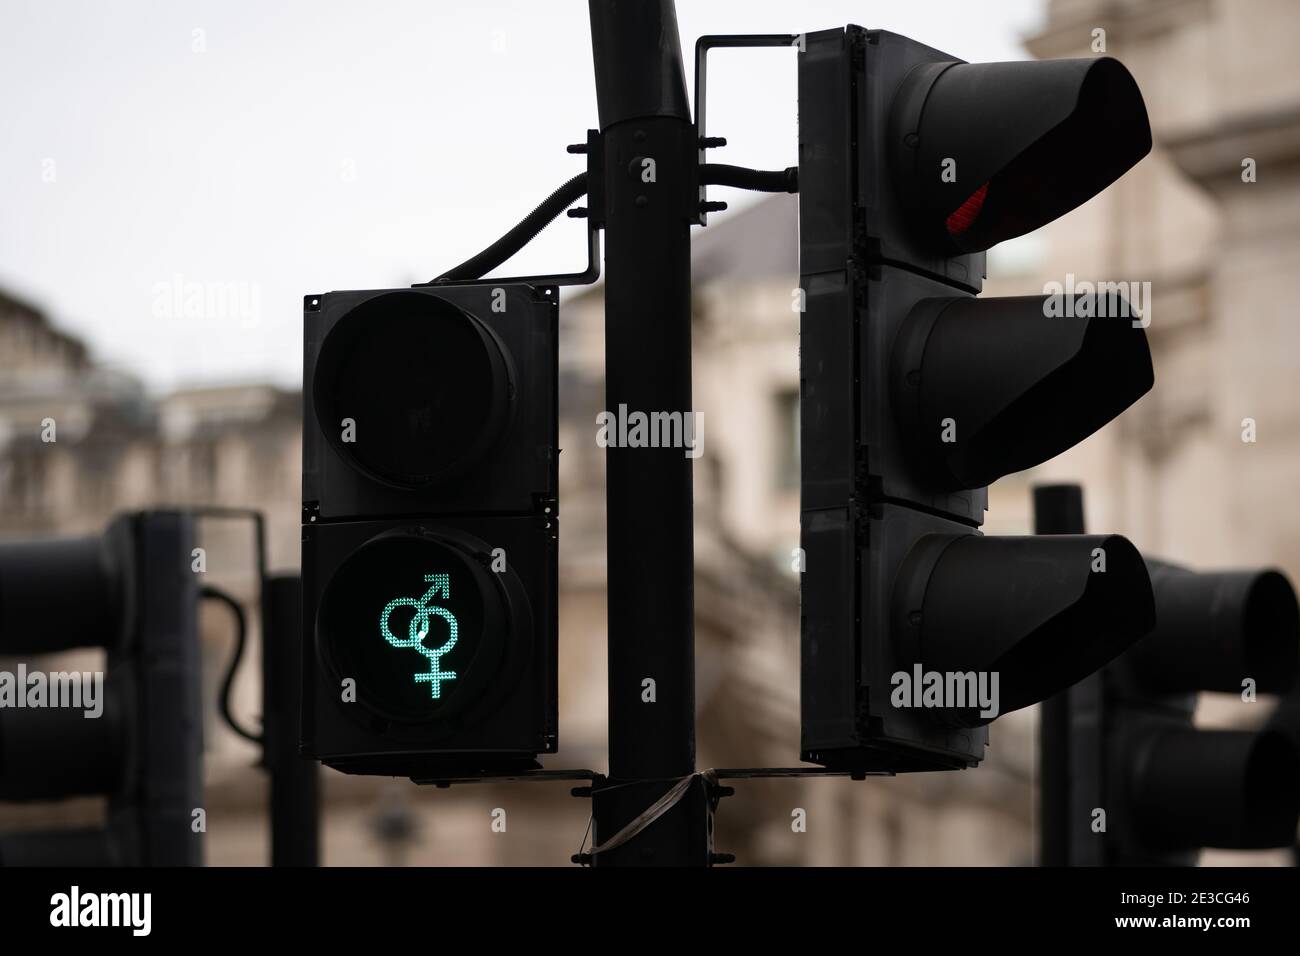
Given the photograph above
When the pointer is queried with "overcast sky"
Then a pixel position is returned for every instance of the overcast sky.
(254, 152)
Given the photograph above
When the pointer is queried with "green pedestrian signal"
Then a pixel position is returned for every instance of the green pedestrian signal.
(418, 629)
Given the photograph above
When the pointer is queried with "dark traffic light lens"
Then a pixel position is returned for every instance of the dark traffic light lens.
(412, 389)
(418, 623)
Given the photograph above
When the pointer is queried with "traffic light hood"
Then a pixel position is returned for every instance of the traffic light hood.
(987, 387)
(1042, 612)
(38, 575)
(985, 152)
(1215, 630)
(1231, 789)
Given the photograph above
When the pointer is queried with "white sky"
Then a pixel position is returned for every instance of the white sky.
(335, 145)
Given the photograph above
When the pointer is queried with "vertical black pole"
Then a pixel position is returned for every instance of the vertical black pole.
(1058, 509)
(295, 802)
(651, 199)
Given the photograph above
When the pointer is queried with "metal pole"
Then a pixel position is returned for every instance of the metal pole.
(295, 801)
(1058, 509)
(651, 199)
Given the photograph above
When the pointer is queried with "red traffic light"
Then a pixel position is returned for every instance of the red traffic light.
(985, 152)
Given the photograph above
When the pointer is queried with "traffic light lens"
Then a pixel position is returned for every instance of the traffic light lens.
(1041, 137)
(416, 623)
(1098, 142)
(965, 215)
(412, 389)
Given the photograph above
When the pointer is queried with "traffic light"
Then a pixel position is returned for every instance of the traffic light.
(1141, 785)
(132, 733)
(915, 395)
(430, 528)
(1174, 788)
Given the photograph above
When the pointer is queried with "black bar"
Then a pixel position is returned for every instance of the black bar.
(641, 92)
(295, 801)
(1058, 509)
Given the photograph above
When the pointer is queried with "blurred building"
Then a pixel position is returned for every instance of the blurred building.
(1174, 474)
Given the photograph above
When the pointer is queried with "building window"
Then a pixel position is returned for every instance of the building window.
(787, 439)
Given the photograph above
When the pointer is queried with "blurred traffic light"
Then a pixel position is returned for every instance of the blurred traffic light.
(1174, 788)
(430, 528)
(131, 591)
(1138, 783)
(916, 395)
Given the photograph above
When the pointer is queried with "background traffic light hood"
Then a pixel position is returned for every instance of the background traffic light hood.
(985, 152)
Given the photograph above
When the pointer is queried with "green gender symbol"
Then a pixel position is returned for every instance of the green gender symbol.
(418, 629)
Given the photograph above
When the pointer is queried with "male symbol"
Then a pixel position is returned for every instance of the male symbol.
(418, 629)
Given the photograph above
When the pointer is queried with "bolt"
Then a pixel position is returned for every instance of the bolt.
(710, 142)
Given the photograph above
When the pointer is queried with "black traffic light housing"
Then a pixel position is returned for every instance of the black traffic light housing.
(915, 395)
(393, 361)
(131, 590)
(430, 528)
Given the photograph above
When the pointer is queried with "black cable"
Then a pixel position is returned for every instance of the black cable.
(518, 237)
(759, 180)
(711, 174)
(241, 638)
